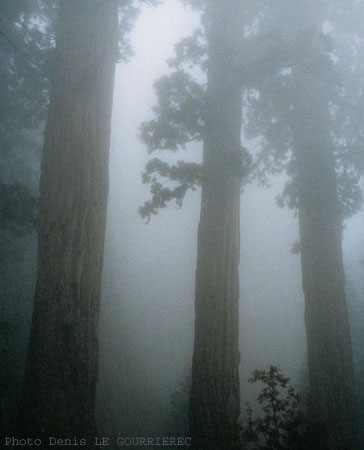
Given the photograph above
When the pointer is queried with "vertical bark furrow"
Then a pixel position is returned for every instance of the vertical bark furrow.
(214, 401)
(61, 371)
(326, 317)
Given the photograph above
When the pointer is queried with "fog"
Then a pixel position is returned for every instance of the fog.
(299, 166)
(149, 273)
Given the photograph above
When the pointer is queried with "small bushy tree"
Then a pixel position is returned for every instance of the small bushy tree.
(283, 423)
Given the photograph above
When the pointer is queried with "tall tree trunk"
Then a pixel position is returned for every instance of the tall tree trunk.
(62, 361)
(214, 400)
(328, 334)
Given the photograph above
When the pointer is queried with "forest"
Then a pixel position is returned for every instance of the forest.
(181, 217)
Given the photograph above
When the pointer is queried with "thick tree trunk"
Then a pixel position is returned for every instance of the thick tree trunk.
(328, 334)
(62, 362)
(215, 401)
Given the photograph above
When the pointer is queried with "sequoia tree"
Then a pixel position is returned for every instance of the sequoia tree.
(25, 44)
(213, 116)
(62, 361)
(326, 317)
(323, 282)
(305, 112)
(214, 402)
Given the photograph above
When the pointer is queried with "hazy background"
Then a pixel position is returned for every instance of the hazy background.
(147, 314)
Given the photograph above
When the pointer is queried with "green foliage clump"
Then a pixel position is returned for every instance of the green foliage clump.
(283, 424)
(178, 121)
(186, 175)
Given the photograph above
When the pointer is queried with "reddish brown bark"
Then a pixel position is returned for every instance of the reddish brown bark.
(330, 362)
(62, 362)
(215, 401)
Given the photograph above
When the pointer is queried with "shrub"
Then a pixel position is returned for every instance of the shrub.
(282, 424)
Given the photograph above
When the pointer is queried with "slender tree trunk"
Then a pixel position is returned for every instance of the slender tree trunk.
(215, 401)
(62, 361)
(328, 334)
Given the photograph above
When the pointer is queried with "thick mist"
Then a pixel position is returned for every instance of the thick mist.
(148, 284)
(265, 98)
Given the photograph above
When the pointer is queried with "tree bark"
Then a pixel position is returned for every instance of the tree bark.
(62, 361)
(332, 395)
(214, 399)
